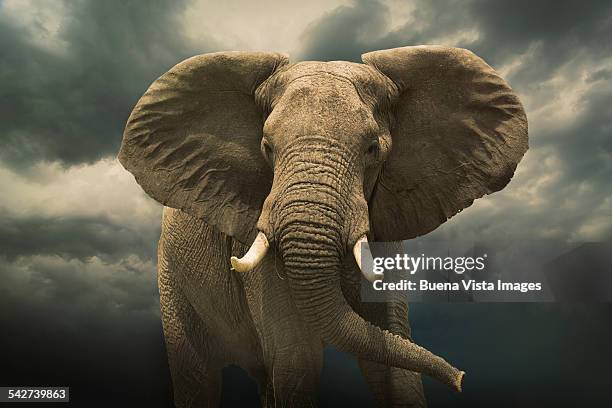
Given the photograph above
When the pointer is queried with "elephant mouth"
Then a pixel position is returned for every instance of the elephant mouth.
(261, 244)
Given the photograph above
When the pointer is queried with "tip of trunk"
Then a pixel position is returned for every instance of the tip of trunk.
(459, 381)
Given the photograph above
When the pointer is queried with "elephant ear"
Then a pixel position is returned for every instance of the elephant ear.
(458, 132)
(193, 140)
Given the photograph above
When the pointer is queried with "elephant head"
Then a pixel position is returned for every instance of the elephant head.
(313, 157)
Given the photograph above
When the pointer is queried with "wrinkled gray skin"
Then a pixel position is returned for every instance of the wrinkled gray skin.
(314, 155)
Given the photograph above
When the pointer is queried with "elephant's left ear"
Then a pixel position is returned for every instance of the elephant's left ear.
(193, 140)
(458, 132)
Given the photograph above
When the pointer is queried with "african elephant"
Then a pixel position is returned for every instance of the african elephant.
(285, 168)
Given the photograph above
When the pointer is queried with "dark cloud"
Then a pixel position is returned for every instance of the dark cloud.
(88, 325)
(79, 289)
(349, 31)
(344, 33)
(70, 104)
(505, 29)
(563, 29)
(74, 237)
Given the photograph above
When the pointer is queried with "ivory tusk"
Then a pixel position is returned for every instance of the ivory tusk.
(254, 255)
(367, 273)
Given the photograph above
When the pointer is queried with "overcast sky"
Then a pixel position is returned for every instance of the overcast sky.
(78, 235)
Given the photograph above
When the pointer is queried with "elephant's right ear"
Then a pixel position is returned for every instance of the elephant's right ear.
(193, 140)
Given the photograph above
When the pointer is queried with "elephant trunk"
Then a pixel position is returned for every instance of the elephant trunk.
(312, 245)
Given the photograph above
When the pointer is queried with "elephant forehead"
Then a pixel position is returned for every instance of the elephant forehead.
(334, 109)
(322, 98)
(363, 77)
(346, 69)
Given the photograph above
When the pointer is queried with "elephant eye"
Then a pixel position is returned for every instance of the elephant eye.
(373, 148)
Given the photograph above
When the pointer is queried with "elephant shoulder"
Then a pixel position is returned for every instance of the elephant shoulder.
(185, 232)
(177, 220)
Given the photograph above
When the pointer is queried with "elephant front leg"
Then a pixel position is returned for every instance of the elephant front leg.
(295, 375)
(194, 383)
(196, 379)
(391, 386)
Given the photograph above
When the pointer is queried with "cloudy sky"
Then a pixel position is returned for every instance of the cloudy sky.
(78, 236)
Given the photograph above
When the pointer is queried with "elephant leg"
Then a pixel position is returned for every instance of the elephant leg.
(266, 393)
(196, 378)
(295, 375)
(391, 386)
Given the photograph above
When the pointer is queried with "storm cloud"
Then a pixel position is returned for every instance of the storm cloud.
(70, 74)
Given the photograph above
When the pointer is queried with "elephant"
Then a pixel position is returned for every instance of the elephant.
(272, 173)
